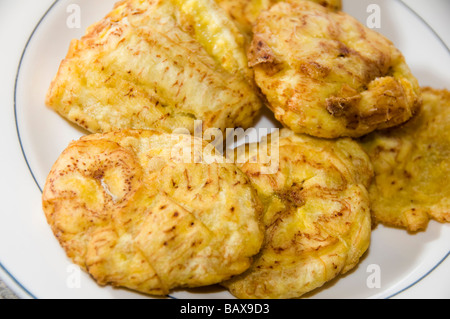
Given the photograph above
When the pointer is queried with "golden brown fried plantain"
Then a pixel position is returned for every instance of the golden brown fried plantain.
(317, 215)
(127, 208)
(245, 12)
(411, 164)
(325, 74)
(157, 64)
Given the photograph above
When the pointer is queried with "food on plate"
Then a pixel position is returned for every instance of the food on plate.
(140, 209)
(159, 64)
(245, 12)
(317, 215)
(326, 75)
(411, 165)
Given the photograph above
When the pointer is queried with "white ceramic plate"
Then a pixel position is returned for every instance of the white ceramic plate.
(31, 260)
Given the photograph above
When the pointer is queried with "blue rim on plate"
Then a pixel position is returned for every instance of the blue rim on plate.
(21, 286)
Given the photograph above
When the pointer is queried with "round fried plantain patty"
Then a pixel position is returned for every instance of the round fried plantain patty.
(159, 64)
(327, 75)
(316, 215)
(139, 209)
(411, 164)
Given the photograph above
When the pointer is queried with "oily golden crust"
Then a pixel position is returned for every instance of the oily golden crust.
(325, 74)
(245, 12)
(411, 163)
(317, 216)
(157, 64)
(127, 209)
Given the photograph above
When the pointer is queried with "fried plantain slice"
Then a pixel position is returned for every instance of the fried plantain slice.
(326, 75)
(157, 64)
(317, 215)
(131, 211)
(411, 164)
(245, 12)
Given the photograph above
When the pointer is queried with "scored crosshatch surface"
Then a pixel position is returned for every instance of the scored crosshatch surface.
(374, 0)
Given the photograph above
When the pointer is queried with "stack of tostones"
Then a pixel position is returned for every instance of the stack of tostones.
(142, 207)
